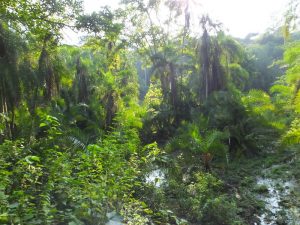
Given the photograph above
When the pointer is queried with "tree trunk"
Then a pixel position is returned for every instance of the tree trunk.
(173, 86)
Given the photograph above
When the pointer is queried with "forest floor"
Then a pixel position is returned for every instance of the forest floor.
(267, 188)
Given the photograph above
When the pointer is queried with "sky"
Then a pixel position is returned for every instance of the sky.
(239, 17)
(242, 17)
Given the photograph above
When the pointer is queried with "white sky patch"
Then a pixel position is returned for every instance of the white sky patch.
(242, 17)
(74, 38)
(239, 17)
(95, 5)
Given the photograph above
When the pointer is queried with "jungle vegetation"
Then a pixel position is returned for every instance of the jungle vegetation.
(83, 127)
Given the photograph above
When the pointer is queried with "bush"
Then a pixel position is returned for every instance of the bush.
(220, 210)
(208, 205)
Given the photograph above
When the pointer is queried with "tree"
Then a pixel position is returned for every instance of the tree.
(40, 18)
(212, 73)
(10, 79)
(36, 24)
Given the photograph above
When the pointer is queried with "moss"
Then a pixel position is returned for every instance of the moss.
(279, 187)
(261, 189)
(279, 171)
(248, 181)
(281, 218)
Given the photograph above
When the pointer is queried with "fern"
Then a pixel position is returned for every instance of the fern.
(76, 143)
(291, 55)
(297, 102)
(258, 102)
(292, 75)
(280, 89)
(292, 136)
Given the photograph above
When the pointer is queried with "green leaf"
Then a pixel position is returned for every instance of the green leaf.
(4, 218)
(43, 124)
(31, 159)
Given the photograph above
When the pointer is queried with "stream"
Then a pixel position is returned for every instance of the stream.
(278, 198)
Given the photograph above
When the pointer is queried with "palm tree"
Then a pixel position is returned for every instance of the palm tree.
(212, 74)
(48, 76)
(10, 88)
(209, 145)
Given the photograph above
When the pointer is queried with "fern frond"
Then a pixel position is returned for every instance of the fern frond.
(280, 89)
(258, 101)
(292, 136)
(297, 102)
(76, 143)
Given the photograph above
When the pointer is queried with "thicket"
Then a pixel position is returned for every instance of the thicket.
(82, 127)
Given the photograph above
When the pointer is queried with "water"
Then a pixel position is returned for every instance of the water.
(277, 190)
(272, 200)
(114, 218)
(156, 177)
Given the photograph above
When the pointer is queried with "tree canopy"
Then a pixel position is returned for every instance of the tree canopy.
(156, 117)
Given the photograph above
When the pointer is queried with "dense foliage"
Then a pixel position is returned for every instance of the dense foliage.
(145, 121)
